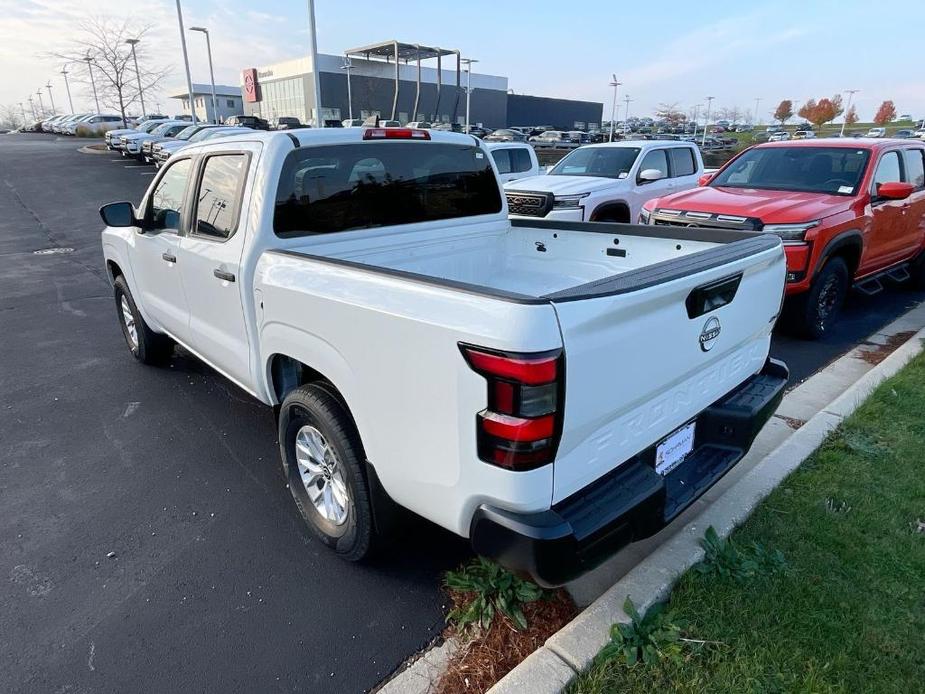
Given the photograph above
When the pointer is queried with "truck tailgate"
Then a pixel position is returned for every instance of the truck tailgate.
(648, 350)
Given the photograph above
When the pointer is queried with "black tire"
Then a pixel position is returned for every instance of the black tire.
(148, 347)
(811, 315)
(917, 270)
(314, 405)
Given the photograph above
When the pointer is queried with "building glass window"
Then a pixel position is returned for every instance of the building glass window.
(229, 103)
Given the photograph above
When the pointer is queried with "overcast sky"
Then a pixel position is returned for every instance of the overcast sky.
(680, 54)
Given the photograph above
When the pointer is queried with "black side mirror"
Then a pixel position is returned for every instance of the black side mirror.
(118, 214)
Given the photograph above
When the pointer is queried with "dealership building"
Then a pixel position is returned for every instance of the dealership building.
(404, 82)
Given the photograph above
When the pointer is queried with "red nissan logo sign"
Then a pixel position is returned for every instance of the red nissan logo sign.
(251, 88)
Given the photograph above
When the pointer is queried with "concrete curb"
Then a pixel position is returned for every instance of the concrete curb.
(88, 149)
(573, 648)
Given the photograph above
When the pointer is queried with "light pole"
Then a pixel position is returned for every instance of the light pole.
(189, 81)
(346, 66)
(706, 123)
(23, 109)
(41, 104)
(613, 106)
(696, 116)
(851, 93)
(757, 101)
(50, 96)
(211, 73)
(316, 74)
(468, 62)
(89, 61)
(141, 96)
(626, 116)
(32, 108)
(67, 88)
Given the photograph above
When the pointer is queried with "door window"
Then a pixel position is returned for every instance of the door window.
(888, 171)
(502, 159)
(682, 161)
(915, 167)
(167, 199)
(220, 195)
(656, 159)
(520, 160)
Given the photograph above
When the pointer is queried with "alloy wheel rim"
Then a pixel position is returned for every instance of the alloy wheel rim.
(129, 319)
(322, 475)
(828, 297)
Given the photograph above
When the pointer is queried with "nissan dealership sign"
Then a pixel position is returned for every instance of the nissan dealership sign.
(251, 86)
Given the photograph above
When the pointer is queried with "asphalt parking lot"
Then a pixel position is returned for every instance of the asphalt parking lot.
(148, 540)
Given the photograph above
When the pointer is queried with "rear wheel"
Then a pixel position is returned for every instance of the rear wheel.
(812, 314)
(917, 270)
(323, 460)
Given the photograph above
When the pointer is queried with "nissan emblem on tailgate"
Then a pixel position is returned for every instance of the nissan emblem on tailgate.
(711, 331)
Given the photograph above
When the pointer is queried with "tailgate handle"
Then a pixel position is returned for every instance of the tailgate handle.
(712, 296)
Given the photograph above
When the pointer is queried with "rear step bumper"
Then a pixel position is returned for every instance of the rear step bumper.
(632, 501)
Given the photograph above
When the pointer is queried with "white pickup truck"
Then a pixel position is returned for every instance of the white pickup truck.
(551, 391)
(607, 182)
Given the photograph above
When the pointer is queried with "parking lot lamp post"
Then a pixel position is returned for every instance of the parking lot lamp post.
(626, 116)
(613, 107)
(695, 119)
(50, 96)
(189, 80)
(23, 109)
(32, 108)
(141, 95)
(851, 93)
(346, 66)
(67, 88)
(757, 101)
(211, 72)
(89, 61)
(706, 123)
(316, 73)
(468, 62)
(41, 104)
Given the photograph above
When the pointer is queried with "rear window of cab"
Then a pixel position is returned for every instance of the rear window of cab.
(376, 184)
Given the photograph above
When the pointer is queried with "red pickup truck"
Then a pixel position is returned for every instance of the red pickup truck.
(850, 212)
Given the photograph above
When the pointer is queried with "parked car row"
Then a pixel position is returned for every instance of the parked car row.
(156, 140)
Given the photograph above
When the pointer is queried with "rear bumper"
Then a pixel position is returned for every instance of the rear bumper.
(632, 501)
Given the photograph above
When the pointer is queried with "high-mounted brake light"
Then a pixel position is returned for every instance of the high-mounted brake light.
(395, 134)
(521, 427)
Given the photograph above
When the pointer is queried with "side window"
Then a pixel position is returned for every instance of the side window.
(520, 160)
(682, 161)
(167, 198)
(220, 195)
(888, 170)
(915, 167)
(656, 159)
(502, 159)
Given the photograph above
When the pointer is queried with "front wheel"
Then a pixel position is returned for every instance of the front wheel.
(146, 346)
(323, 460)
(813, 314)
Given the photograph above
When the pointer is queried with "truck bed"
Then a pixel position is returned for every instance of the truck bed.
(543, 261)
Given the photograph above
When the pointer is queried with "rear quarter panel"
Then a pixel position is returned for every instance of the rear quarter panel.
(390, 346)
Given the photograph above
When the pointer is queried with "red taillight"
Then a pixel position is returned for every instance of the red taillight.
(521, 427)
(395, 134)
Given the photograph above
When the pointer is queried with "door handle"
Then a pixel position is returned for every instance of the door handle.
(222, 275)
(169, 257)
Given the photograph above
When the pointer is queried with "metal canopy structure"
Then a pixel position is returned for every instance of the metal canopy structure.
(397, 53)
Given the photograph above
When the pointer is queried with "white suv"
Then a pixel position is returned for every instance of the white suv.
(607, 182)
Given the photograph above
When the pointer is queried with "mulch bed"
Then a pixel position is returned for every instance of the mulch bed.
(488, 655)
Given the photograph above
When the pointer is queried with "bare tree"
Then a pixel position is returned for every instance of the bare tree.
(11, 117)
(671, 113)
(103, 43)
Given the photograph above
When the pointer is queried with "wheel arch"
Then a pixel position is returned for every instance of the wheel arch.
(618, 208)
(848, 245)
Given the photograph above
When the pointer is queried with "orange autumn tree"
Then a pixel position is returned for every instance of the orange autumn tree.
(784, 111)
(823, 111)
(886, 113)
(851, 117)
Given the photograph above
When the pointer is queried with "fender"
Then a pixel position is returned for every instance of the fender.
(852, 238)
(112, 251)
